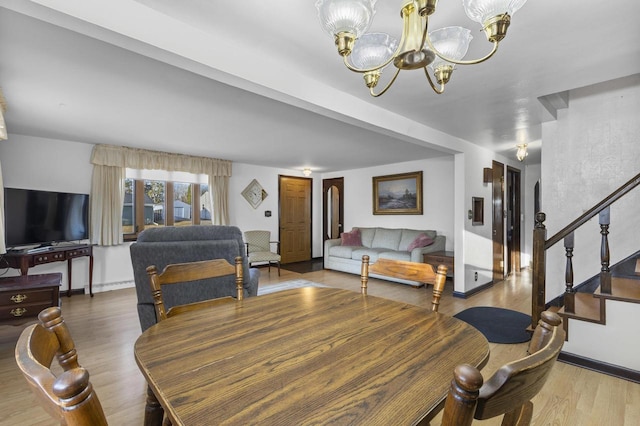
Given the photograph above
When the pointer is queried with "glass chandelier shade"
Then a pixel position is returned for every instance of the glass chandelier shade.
(351, 16)
(483, 10)
(347, 21)
(373, 49)
(452, 42)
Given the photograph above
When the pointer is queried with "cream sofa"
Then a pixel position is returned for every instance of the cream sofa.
(379, 243)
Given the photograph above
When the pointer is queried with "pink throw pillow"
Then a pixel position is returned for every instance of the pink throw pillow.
(351, 238)
(420, 241)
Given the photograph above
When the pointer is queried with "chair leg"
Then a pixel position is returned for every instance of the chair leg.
(278, 268)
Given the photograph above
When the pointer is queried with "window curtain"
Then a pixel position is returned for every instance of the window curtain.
(3, 247)
(107, 200)
(121, 157)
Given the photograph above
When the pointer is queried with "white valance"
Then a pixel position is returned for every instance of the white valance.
(135, 158)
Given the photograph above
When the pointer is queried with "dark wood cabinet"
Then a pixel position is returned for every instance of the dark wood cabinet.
(440, 258)
(22, 298)
(25, 260)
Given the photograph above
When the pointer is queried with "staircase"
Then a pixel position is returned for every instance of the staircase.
(599, 314)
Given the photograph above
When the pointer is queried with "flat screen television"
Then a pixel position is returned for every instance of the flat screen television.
(44, 217)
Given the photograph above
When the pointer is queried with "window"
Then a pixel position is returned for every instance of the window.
(150, 203)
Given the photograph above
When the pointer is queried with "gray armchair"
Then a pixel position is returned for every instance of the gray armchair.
(166, 245)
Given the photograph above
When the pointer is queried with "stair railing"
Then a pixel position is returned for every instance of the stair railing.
(541, 244)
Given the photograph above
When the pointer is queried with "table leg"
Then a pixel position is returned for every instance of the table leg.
(91, 274)
(153, 411)
(69, 277)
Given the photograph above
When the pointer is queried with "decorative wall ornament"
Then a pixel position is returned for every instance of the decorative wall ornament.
(254, 193)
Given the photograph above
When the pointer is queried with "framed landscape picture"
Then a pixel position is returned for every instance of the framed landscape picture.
(398, 194)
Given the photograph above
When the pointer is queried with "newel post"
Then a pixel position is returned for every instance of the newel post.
(539, 269)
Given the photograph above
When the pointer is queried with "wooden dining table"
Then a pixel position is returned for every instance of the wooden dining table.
(306, 356)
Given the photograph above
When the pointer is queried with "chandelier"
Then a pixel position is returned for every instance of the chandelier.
(440, 50)
(521, 153)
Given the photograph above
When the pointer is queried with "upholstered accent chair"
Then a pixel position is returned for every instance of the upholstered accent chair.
(181, 244)
(259, 248)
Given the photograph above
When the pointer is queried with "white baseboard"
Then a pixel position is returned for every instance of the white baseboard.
(118, 285)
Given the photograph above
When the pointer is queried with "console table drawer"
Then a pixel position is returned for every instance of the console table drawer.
(30, 310)
(47, 258)
(78, 252)
(25, 297)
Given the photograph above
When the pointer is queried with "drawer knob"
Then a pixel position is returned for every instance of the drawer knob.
(18, 312)
(19, 298)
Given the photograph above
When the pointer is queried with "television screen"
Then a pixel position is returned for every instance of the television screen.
(33, 217)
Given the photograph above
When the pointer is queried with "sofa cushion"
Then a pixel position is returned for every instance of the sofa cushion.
(372, 252)
(366, 235)
(395, 255)
(351, 238)
(342, 251)
(409, 235)
(421, 241)
(387, 238)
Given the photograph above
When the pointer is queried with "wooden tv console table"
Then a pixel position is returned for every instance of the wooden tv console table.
(25, 260)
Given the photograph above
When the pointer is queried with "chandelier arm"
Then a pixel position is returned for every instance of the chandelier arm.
(387, 87)
(454, 61)
(433, 86)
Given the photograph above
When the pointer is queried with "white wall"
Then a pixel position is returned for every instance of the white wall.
(591, 150)
(449, 183)
(437, 176)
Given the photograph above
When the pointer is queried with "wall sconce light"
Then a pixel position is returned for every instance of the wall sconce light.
(521, 153)
(306, 172)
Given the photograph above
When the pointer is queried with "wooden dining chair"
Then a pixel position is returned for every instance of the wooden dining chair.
(68, 397)
(180, 273)
(192, 271)
(411, 271)
(509, 390)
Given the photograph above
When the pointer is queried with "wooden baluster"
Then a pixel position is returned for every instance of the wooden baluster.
(539, 269)
(569, 293)
(605, 273)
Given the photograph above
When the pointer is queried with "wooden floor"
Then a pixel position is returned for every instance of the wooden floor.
(106, 326)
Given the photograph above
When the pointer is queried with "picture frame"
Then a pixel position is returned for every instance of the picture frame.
(477, 211)
(398, 194)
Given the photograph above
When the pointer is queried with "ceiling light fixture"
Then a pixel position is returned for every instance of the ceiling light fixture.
(348, 20)
(521, 153)
(306, 172)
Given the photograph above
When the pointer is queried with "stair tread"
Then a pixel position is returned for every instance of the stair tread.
(587, 308)
(624, 289)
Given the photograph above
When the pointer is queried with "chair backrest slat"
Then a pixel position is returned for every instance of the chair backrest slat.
(191, 271)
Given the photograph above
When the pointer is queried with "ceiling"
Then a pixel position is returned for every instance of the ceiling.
(263, 85)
